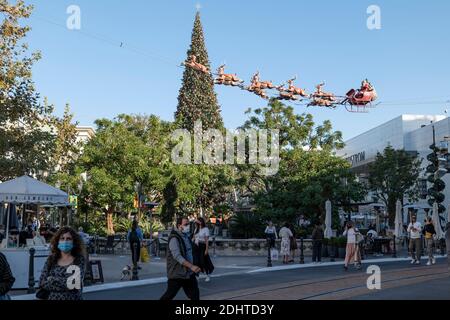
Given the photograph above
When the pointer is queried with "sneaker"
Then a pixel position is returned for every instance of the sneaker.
(429, 263)
(413, 261)
(208, 279)
(417, 261)
(433, 261)
(345, 268)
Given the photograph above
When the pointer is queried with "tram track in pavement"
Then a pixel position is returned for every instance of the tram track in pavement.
(343, 286)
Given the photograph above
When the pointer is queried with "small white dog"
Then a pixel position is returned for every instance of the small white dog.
(126, 273)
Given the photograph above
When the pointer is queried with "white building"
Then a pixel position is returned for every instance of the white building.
(413, 133)
(84, 134)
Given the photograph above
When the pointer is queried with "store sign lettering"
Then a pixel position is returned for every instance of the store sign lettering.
(357, 158)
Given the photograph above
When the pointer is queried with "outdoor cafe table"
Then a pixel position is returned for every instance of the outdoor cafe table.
(381, 242)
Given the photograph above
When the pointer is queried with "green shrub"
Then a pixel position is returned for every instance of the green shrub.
(246, 225)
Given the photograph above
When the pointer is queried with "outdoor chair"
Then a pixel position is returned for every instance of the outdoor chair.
(108, 246)
(163, 245)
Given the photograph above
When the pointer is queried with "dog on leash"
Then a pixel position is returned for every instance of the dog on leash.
(126, 273)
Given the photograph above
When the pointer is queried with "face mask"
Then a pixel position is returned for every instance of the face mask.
(186, 229)
(65, 246)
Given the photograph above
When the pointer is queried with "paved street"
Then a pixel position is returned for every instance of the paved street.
(399, 281)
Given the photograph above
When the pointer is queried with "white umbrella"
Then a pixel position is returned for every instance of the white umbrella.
(448, 214)
(328, 230)
(437, 222)
(398, 220)
(377, 222)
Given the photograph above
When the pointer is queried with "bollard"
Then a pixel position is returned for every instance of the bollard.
(135, 263)
(395, 249)
(332, 253)
(88, 274)
(31, 288)
(442, 245)
(269, 256)
(302, 256)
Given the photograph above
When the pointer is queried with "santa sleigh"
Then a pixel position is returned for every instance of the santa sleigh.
(359, 100)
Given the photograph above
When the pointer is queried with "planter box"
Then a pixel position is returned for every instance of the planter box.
(342, 253)
(325, 252)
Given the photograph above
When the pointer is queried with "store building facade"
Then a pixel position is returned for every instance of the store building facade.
(414, 134)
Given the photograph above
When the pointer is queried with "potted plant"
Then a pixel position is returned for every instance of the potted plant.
(325, 252)
(342, 243)
(332, 247)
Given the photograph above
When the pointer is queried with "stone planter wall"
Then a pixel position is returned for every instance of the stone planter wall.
(251, 247)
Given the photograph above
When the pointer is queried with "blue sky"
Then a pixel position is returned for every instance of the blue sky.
(317, 40)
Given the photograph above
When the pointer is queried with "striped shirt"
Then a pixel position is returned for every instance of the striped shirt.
(6, 278)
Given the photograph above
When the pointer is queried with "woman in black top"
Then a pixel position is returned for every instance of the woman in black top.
(6, 278)
(429, 231)
(63, 273)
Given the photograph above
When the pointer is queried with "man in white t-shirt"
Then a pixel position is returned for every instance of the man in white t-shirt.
(415, 240)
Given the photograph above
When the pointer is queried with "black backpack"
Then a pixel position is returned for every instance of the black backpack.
(134, 236)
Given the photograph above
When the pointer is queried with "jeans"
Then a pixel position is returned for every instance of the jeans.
(317, 251)
(415, 245)
(430, 243)
(190, 288)
(138, 251)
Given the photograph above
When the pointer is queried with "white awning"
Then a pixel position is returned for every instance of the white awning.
(31, 191)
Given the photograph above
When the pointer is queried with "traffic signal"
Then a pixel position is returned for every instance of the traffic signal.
(436, 170)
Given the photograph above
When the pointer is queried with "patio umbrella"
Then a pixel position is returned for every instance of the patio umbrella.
(398, 220)
(378, 222)
(2, 214)
(10, 219)
(437, 222)
(448, 214)
(328, 222)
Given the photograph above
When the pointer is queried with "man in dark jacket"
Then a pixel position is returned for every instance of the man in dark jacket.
(6, 278)
(317, 238)
(181, 272)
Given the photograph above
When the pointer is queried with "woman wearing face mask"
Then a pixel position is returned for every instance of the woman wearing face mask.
(63, 274)
(201, 246)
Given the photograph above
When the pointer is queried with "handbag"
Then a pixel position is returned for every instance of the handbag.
(274, 254)
(42, 294)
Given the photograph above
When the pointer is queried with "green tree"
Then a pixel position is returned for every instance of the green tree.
(114, 160)
(26, 135)
(394, 176)
(309, 173)
(125, 151)
(197, 99)
(66, 151)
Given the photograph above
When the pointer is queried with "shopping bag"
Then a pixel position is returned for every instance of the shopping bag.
(145, 257)
(274, 254)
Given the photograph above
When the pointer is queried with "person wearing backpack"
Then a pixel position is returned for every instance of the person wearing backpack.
(135, 236)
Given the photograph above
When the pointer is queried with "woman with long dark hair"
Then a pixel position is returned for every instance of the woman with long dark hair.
(135, 236)
(63, 273)
(201, 248)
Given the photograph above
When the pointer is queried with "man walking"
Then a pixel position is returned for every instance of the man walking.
(415, 240)
(181, 272)
(317, 238)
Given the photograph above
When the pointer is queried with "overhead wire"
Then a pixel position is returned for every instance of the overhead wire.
(151, 55)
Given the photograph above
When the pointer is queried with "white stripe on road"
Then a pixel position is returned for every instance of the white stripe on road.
(325, 264)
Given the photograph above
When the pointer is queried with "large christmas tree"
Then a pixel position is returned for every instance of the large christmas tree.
(197, 99)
